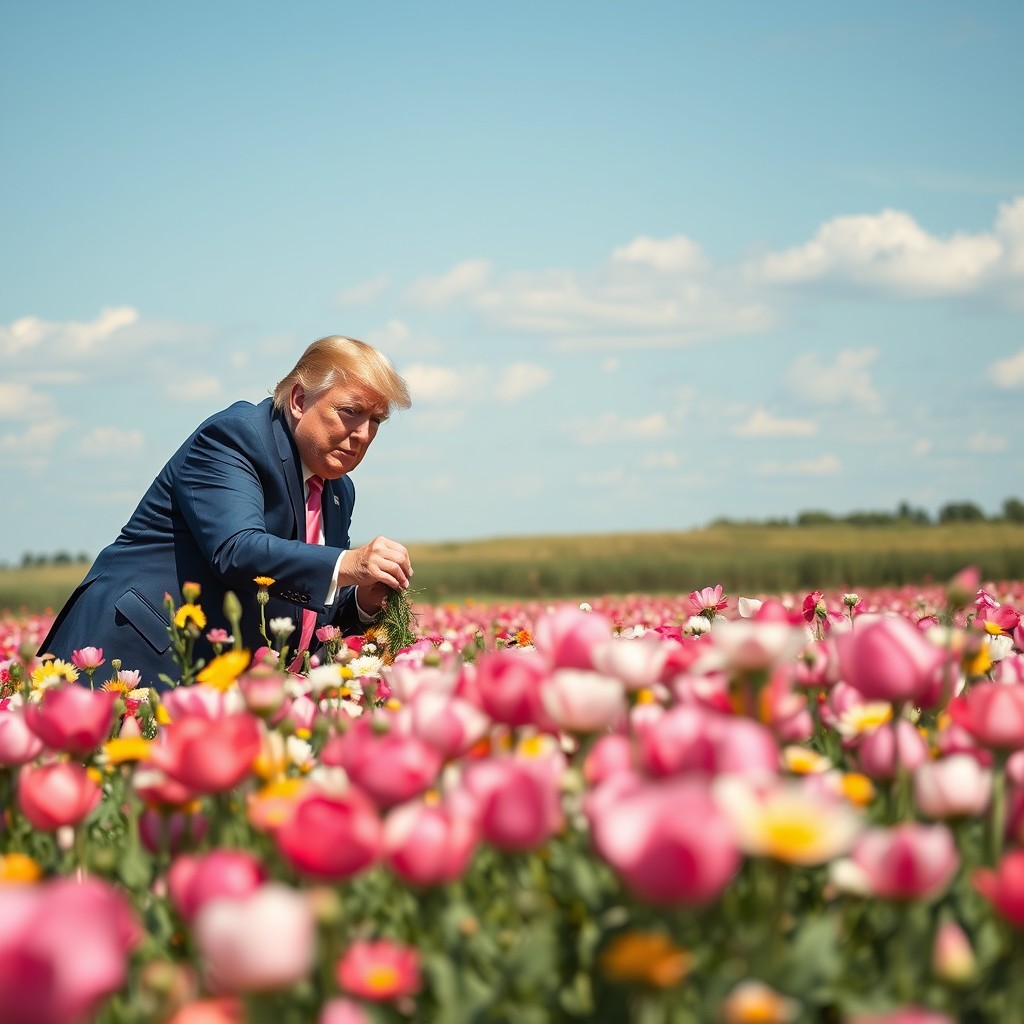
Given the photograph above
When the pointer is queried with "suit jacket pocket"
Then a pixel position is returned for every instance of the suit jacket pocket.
(149, 622)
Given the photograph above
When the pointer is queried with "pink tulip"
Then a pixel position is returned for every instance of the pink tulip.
(176, 829)
(219, 1010)
(567, 636)
(447, 723)
(200, 701)
(608, 756)
(518, 799)
(882, 750)
(638, 663)
(261, 941)
(953, 958)
(379, 971)
(72, 719)
(956, 786)
(263, 691)
(429, 844)
(668, 841)
(389, 766)
(194, 880)
(993, 714)
(63, 949)
(87, 658)
(888, 658)
(159, 792)
(208, 755)
(1004, 887)
(508, 683)
(909, 861)
(583, 702)
(905, 1015)
(52, 795)
(18, 743)
(342, 1011)
(331, 837)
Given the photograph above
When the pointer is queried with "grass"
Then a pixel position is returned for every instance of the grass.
(743, 558)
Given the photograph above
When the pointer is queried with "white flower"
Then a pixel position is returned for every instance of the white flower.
(999, 647)
(748, 607)
(697, 625)
(366, 665)
(282, 627)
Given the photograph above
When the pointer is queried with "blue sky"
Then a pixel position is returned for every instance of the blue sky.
(642, 265)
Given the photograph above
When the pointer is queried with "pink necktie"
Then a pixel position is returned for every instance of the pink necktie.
(313, 521)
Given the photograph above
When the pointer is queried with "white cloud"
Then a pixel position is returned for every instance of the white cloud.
(20, 401)
(69, 339)
(890, 251)
(610, 427)
(474, 384)
(194, 388)
(825, 465)
(604, 478)
(32, 447)
(464, 279)
(763, 424)
(610, 365)
(659, 460)
(922, 446)
(104, 442)
(521, 379)
(1008, 373)
(365, 292)
(985, 443)
(845, 380)
(677, 254)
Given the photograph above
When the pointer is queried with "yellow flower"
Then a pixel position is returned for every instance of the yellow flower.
(50, 673)
(264, 581)
(790, 822)
(977, 662)
(857, 788)
(224, 669)
(190, 613)
(862, 718)
(802, 761)
(130, 748)
(648, 958)
(162, 715)
(524, 638)
(19, 868)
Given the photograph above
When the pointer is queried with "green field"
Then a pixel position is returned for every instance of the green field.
(748, 559)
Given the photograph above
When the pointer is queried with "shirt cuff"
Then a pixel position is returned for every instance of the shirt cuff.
(329, 599)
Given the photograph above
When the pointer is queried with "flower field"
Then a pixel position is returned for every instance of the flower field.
(709, 807)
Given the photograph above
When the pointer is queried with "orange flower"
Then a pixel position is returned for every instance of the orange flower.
(647, 958)
(19, 868)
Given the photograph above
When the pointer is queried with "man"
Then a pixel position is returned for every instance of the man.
(233, 504)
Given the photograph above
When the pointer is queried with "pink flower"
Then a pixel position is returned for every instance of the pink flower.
(567, 636)
(52, 795)
(888, 658)
(508, 683)
(331, 837)
(342, 1011)
(88, 658)
(708, 601)
(956, 786)
(1004, 887)
(429, 844)
(583, 702)
(390, 767)
(449, 724)
(219, 636)
(325, 634)
(669, 841)
(637, 663)
(63, 949)
(885, 748)
(518, 800)
(260, 941)
(992, 713)
(379, 971)
(905, 1015)
(909, 861)
(608, 756)
(194, 880)
(208, 756)
(72, 719)
(953, 958)
(199, 701)
(18, 743)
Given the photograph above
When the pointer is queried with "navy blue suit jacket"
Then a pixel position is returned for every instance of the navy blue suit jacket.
(227, 507)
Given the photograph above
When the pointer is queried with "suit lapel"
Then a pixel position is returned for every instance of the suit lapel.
(291, 470)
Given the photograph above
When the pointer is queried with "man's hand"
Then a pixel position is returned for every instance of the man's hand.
(381, 563)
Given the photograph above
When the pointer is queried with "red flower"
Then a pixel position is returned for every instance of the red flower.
(379, 971)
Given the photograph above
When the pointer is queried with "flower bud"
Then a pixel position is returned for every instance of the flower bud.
(953, 959)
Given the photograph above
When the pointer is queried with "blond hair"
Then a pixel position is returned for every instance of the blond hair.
(337, 359)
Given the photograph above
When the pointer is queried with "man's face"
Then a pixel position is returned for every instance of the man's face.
(334, 428)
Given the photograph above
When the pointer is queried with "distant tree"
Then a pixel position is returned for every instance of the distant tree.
(815, 517)
(81, 557)
(961, 512)
(62, 558)
(870, 518)
(1013, 510)
(908, 514)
